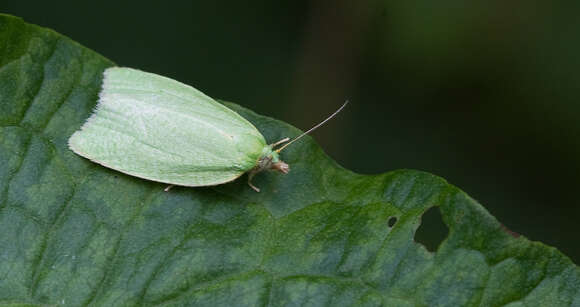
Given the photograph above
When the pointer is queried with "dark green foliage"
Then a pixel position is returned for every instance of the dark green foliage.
(73, 232)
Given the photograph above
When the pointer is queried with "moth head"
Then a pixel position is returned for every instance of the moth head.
(270, 160)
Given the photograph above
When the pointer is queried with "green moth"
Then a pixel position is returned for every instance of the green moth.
(159, 129)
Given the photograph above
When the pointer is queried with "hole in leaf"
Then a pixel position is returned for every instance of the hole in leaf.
(432, 230)
(391, 222)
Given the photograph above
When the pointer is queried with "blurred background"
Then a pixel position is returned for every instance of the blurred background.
(482, 93)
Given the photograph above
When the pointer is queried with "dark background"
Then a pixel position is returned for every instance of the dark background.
(482, 93)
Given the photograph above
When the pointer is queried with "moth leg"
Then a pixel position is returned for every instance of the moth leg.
(168, 188)
(250, 176)
(284, 140)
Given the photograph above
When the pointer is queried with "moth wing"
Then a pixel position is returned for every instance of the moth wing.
(156, 128)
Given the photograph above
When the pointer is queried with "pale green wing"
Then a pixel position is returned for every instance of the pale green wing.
(159, 129)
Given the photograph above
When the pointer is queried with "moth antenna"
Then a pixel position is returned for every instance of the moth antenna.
(284, 140)
(313, 128)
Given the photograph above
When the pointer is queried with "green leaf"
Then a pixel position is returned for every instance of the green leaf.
(76, 233)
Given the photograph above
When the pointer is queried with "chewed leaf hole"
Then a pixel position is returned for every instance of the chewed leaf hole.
(432, 230)
(392, 221)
